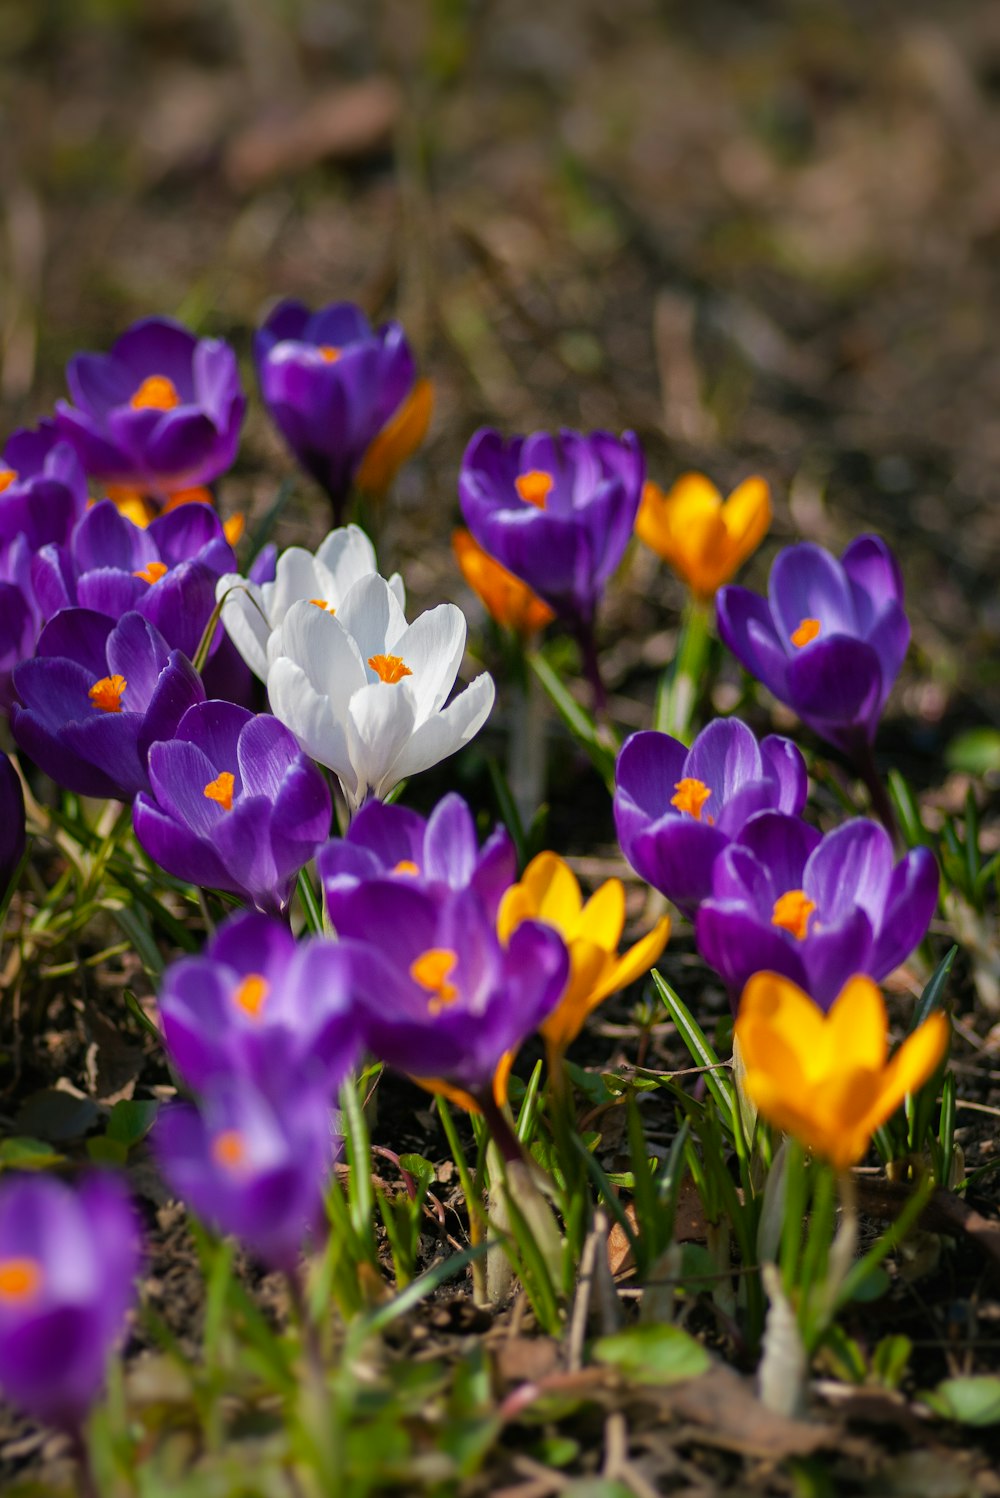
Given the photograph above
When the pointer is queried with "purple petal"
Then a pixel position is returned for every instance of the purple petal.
(737, 945)
(909, 907)
(806, 582)
(852, 866)
(783, 762)
(836, 685)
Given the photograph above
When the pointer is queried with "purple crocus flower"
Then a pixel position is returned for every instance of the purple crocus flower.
(828, 640)
(68, 1262)
(815, 909)
(43, 488)
(12, 832)
(235, 805)
(95, 697)
(441, 850)
(19, 619)
(257, 1003)
(345, 398)
(441, 997)
(557, 511)
(166, 571)
(250, 1164)
(676, 808)
(161, 412)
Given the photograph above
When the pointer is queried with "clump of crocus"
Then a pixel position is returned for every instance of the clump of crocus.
(68, 1263)
(815, 909)
(158, 414)
(346, 398)
(440, 852)
(704, 538)
(365, 693)
(549, 892)
(165, 571)
(43, 488)
(95, 697)
(676, 808)
(253, 1162)
(234, 805)
(252, 612)
(558, 512)
(259, 1004)
(507, 600)
(828, 640)
(824, 1077)
(442, 997)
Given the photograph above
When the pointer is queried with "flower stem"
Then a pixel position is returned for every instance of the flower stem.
(526, 747)
(504, 1137)
(864, 760)
(81, 1453)
(592, 669)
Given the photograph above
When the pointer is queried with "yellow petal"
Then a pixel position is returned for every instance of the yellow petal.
(786, 1111)
(856, 1025)
(917, 1059)
(588, 964)
(458, 1095)
(602, 919)
(400, 436)
(746, 515)
(553, 887)
(517, 904)
(507, 599)
(775, 1006)
(633, 963)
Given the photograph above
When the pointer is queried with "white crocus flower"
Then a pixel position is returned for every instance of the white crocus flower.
(251, 613)
(364, 692)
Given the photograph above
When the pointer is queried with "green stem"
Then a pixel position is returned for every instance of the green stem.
(681, 685)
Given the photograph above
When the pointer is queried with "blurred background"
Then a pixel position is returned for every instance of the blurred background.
(765, 235)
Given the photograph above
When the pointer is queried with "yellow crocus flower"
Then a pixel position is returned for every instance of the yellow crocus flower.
(402, 435)
(825, 1078)
(549, 892)
(704, 538)
(507, 599)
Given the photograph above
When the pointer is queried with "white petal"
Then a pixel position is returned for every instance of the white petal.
(296, 577)
(371, 614)
(345, 556)
(245, 619)
(449, 729)
(379, 725)
(433, 647)
(307, 713)
(398, 589)
(319, 643)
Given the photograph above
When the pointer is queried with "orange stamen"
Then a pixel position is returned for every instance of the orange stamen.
(535, 486)
(691, 796)
(20, 1280)
(152, 572)
(251, 993)
(8, 476)
(229, 1149)
(806, 633)
(221, 789)
(405, 866)
(329, 353)
(156, 393)
(431, 970)
(792, 911)
(389, 668)
(107, 693)
(321, 603)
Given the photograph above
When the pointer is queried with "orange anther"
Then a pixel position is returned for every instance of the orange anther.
(535, 486)
(327, 352)
(321, 603)
(20, 1280)
(8, 476)
(152, 572)
(431, 970)
(251, 993)
(389, 668)
(221, 789)
(405, 866)
(806, 633)
(229, 1149)
(156, 393)
(792, 911)
(691, 796)
(107, 693)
